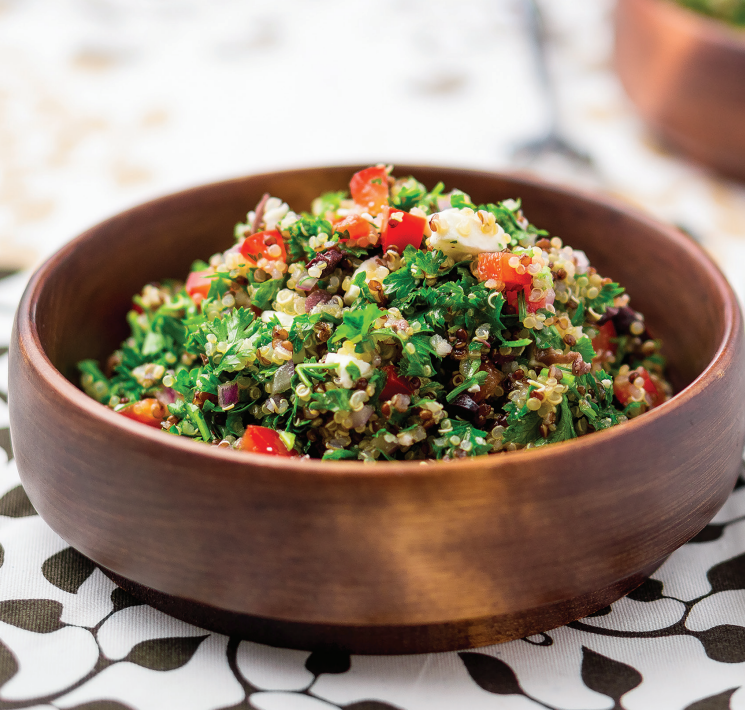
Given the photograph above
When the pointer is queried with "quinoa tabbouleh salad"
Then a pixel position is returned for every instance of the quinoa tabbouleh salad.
(398, 323)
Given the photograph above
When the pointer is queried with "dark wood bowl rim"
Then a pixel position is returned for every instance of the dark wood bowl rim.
(709, 29)
(213, 456)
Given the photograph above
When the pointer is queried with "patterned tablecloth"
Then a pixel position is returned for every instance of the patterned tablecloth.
(104, 103)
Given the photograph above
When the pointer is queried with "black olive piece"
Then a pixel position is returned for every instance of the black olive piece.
(463, 406)
(330, 257)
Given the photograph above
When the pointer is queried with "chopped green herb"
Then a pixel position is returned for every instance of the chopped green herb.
(434, 351)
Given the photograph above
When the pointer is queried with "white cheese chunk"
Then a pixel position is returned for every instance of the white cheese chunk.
(459, 232)
(343, 360)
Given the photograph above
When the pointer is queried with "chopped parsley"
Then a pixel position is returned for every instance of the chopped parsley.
(352, 345)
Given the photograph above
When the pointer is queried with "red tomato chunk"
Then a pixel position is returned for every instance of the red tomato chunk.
(148, 411)
(623, 391)
(401, 229)
(369, 188)
(198, 284)
(354, 227)
(496, 266)
(260, 245)
(394, 384)
(262, 440)
(603, 343)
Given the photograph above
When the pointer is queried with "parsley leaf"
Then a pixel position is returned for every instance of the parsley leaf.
(417, 356)
(579, 315)
(172, 327)
(452, 441)
(297, 235)
(522, 425)
(266, 293)
(507, 218)
(429, 202)
(356, 324)
(584, 348)
(605, 298)
(548, 338)
(488, 304)
(341, 454)
(448, 293)
(459, 200)
(365, 295)
(327, 202)
(231, 327)
(302, 327)
(332, 401)
(407, 193)
(235, 330)
(154, 342)
(219, 286)
(399, 286)
(425, 264)
(564, 427)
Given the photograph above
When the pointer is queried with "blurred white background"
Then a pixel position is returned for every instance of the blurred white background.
(106, 103)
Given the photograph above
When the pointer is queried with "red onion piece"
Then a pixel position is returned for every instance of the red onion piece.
(259, 213)
(227, 394)
(167, 396)
(361, 417)
(315, 298)
(282, 378)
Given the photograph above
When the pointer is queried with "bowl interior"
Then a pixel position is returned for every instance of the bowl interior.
(88, 286)
(452, 555)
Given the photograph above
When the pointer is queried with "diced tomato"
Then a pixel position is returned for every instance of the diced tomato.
(257, 246)
(394, 384)
(623, 391)
(355, 226)
(148, 411)
(510, 294)
(533, 306)
(198, 284)
(603, 343)
(401, 229)
(262, 440)
(369, 188)
(658, 397)
(495, 265)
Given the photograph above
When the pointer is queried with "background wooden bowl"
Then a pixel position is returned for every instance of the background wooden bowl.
(686, 74)
(392, 557)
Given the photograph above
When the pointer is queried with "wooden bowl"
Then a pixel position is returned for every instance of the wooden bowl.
(394, 557)
(686, 74)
